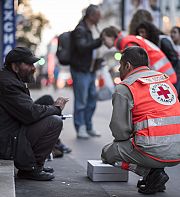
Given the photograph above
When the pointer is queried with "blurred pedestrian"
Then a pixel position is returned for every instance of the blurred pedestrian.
(140, 16)
(56, 74)
(149, 31)
(82, 73)
(164, 42)
(175, 35)
(28, 130)
(113, 37)
(146, 132)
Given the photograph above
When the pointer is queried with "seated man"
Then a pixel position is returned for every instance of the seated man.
(28, 131)
(145, 122)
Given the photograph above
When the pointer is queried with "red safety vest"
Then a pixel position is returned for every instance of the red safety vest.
(158, 60)
(156, 115)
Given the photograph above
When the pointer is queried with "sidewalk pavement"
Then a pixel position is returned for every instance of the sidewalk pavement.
(71, 181)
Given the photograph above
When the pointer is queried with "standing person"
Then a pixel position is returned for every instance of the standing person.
(175, 35)
(149, 31)
(138, 17)
(113, 37)
(146, 132)
(82, 72)
(56, 74)
(28, 131)
(164, 42)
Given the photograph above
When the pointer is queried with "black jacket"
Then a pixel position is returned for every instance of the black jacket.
(82, 47)
(17, 111)
(167, 47)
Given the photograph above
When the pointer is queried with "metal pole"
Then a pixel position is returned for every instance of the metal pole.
(172, 13)
(122, 7)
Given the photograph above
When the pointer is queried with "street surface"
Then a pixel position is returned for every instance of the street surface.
(70, 171)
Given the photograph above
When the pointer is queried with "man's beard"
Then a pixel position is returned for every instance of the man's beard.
(27, 77)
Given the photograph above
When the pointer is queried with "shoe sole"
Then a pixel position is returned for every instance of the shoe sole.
(155, 186)
(35, 179)
(30, 178)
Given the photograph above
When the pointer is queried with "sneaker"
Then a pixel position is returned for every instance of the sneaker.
(82, 133)
(36, 175)
(93, 133)
(155, 180)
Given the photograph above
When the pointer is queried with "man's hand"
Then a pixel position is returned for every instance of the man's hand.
(61, 102)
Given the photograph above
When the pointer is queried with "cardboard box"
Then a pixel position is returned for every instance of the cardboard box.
(98, 171)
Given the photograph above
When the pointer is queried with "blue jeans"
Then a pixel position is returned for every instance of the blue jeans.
(85, 98)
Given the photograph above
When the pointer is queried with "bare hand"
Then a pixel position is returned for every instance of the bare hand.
(61, 102)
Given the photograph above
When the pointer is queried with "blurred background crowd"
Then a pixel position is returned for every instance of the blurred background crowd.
(32, 21)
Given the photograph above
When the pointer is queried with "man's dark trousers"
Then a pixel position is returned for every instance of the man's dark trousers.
(44, 134)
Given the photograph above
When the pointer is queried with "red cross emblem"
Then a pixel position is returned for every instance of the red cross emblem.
(163, 92)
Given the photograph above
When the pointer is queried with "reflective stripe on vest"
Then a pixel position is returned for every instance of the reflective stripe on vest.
(170, 71)
(132, 78)
(155, 122)
(160, 63)
(158, 140)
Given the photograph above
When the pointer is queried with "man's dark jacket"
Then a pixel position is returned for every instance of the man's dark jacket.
(83, 45)
(167, 47)
(17, 111)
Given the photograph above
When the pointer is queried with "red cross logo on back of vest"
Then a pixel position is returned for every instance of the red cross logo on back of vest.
(163, 92)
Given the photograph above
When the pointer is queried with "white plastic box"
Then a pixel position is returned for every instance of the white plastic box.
(98, 171)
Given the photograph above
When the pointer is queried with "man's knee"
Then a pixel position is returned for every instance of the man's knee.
(45, 100)
(109, 154)
(55, 122)
(48, 99)
(103, 156)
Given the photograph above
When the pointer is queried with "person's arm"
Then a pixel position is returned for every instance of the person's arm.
(82, 44)
(121, 120)
(21, 107)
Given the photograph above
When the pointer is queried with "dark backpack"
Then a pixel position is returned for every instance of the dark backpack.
(63, 52)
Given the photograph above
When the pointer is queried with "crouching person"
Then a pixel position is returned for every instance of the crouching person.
(28, 130)
(145, 122)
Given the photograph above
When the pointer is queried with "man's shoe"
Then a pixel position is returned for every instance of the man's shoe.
(155, 180)
(35, 175)
(93, 133)
(82, 133)
(48, 169)
(57, 153)
(142, 183)
(62, 147)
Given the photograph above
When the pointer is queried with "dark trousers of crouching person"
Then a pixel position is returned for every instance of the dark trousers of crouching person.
(124, 155)
(42, 137)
